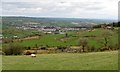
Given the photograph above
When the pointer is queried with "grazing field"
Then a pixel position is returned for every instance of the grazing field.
(63, 61)
(95, 39)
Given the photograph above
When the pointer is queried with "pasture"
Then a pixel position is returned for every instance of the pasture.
(63, 61)
(94, 38)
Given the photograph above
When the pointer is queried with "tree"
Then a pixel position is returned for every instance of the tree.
(66, 34)
(13, 49)
(106, 36)
(83, 43)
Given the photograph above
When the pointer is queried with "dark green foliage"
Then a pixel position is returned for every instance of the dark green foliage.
(28, 48)
(66, 35)
(114, 24)
(106, 37)
(62, 48)
(92, 48)
(97, 26)
(13, 49)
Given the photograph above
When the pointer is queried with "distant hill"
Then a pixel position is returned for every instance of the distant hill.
(99, 21)
(54, 21)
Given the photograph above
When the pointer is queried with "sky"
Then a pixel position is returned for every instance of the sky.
(99, 9)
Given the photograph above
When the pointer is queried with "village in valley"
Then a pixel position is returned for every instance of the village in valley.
(57, 29)
(34, 40)
(59, 35)
(63, 37)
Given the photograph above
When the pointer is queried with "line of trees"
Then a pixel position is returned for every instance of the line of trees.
(114, 24)
(83, 47)
(16, 49)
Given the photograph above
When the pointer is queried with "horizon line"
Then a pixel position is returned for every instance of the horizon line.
(58, 17)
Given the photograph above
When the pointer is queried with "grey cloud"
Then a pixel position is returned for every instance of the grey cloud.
(14, 5)
(52, 8)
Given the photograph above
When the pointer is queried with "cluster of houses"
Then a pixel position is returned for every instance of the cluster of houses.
(50, 29)
(57, 29)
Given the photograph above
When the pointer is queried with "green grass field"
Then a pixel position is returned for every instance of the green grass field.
(63, 61)
(73, 39)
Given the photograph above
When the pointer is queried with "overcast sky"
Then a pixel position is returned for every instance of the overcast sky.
(103, 9)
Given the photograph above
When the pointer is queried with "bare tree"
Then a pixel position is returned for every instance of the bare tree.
(83, 42)
(106, 36)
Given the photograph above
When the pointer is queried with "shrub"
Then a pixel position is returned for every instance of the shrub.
(104, 49)
(13, 49)
(28, 53)
(27, 48)
(43, 48)
(7, 40)
(93, 49)
(62, 48)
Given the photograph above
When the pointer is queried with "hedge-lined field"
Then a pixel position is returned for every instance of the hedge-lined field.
(94, 38)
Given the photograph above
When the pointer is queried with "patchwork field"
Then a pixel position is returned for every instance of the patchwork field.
(59, 43)
(94, 38)
(63, 61)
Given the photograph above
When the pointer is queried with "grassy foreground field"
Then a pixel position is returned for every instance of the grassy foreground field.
(63, 61)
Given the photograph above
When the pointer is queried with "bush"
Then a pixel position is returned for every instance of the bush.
(28, 53)
(13, 50)
(93, 49)
(27, 48)
(2, 53)
(62, 48)
(7, 40)
(43, 48)
(104, 49)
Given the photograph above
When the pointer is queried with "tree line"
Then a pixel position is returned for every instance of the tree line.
(114, 24)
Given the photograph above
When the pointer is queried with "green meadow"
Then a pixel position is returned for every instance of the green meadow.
(63, 61)
(94, 38)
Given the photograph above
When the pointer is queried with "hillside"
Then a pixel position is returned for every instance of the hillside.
(63, 61)
(65, 22)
